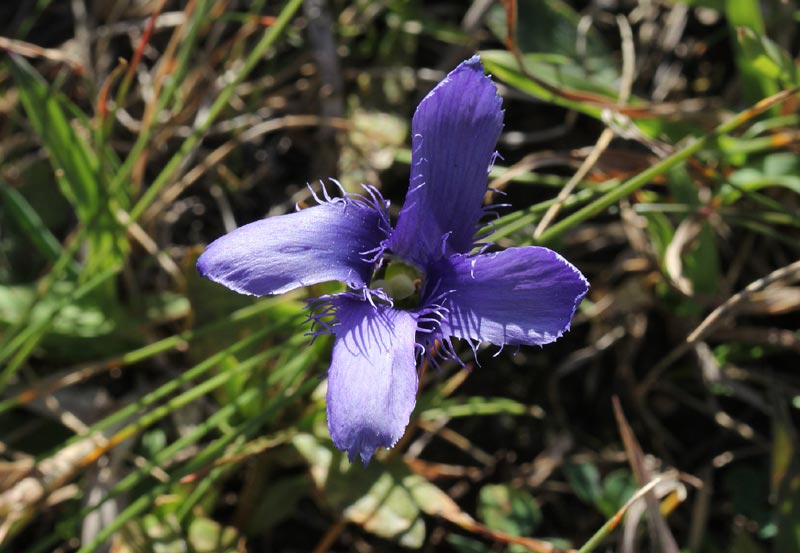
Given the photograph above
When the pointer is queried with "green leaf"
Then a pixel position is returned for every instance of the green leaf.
(766, 57)
(700, 258)
(510, 510)
(556, 70)
(780, 169)
(618, 487)
(660, 231)
(377, 497)
(551, 27)
(208, 536)
(77, 328)
(746, 14)
(584, 479)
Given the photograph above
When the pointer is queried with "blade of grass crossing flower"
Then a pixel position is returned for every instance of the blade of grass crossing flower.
(517, 220)
(256, 55)
(635, 183)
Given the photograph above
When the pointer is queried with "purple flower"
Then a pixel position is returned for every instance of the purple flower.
(412, 285)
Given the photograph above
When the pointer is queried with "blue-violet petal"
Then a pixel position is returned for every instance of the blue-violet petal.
(454, 133)
(517, 296)
(372, 382)
(318, 244)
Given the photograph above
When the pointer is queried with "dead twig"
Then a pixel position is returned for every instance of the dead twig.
(33, 51)
(788, 273)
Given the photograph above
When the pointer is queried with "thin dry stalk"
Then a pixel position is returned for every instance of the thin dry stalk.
(626, 83)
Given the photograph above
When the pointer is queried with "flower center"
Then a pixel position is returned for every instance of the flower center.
(400, 281)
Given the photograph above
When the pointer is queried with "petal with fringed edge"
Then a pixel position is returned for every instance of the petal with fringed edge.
(318, 244)
(372, 381)
(517, 296)
(455, 130)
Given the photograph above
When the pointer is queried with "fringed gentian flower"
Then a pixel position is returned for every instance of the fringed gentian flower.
(412, 287)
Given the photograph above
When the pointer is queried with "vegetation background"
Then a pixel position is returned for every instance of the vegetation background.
(653, 143)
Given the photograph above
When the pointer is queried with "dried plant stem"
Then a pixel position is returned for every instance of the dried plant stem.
(626, 83)
(787, 273)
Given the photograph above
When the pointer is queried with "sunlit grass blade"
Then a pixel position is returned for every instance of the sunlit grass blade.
(177, 68)
(75, 164)
(130, 422)
(646, 176)
(186, 378)
(479, 407)
(215, 450)
(215, 422)
(746, 14)
(172, 342)
(32, 225)
(511, 223)
(69, 153)
(614, 521)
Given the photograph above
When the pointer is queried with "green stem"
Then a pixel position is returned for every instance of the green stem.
(632, 185)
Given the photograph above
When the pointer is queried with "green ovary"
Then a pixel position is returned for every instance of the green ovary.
(400, 281)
